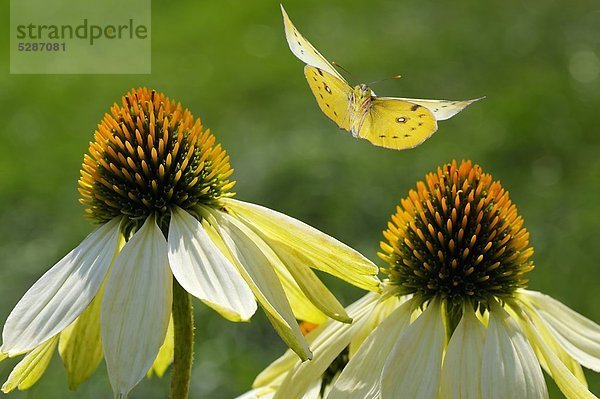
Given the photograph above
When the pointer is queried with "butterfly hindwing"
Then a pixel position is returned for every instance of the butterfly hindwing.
(397, 124)
(304, 50)
(331, 94)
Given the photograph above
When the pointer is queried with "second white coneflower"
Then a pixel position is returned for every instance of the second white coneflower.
(157, 181)
(457, 322)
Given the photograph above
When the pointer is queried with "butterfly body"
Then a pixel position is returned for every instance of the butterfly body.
(395, 123)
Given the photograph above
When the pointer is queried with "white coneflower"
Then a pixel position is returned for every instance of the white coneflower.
(157, 181)
(466, 327)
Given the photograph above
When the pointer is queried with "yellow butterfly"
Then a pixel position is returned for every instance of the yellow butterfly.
(395, 123)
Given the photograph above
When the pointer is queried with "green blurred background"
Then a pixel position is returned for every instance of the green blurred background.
(228, 62)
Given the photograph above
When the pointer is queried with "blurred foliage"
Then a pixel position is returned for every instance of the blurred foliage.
(227, 61)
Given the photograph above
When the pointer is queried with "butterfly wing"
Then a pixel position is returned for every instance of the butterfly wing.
(441, 109)
(304, 50)
(331, 94)
(397, 124)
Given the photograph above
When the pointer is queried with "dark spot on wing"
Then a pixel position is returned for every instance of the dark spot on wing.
(335, 113)
(401, 120)
(444, 106)
(413, 128)
(382, 136)
(327, 105)
(394, 137)
(299, 44)
(407, 135)
(420, 123)
(315, 79)
(422, 115)
(320, 72)
(320, 95)
(415, 107)
(301, 51)
(327, 89)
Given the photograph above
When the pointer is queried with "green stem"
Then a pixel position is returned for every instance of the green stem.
(183, 323)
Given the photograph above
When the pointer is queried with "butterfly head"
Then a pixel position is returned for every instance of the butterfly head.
(362, 92)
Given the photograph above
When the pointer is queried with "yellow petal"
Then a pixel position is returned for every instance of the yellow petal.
(31, 368)
(80, 345)
(327, 253)
(165, 353)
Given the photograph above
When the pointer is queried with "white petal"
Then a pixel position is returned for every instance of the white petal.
(328, 341)
(384, 307)
(510, 368)
(413, 368)
(327, 253)
(314, 390)
(579, 336)
(259, 393)
(248, 252)
(203, 271)
(62, 293)
(461, 372)
(136, 308)
(361, 377)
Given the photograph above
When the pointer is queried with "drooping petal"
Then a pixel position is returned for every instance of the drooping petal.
(510, 368)
(202, 269)
(579, 336)
(29, 370)
(527, 314)
(165, 354)
(62, 293)
(136, 307)
(317, 294)
(361, 378)
(327, 253)
(461, 371)
(250, 253)
(569, 385)
(413, 368)
(328, 341)
(80, 345)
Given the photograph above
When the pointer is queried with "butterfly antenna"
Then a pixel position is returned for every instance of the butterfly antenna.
(383, 80)
(335, 64)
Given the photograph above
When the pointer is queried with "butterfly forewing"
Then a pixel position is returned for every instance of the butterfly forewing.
(441, 109)
(331, 94)
(304, 50)
(397, 124)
